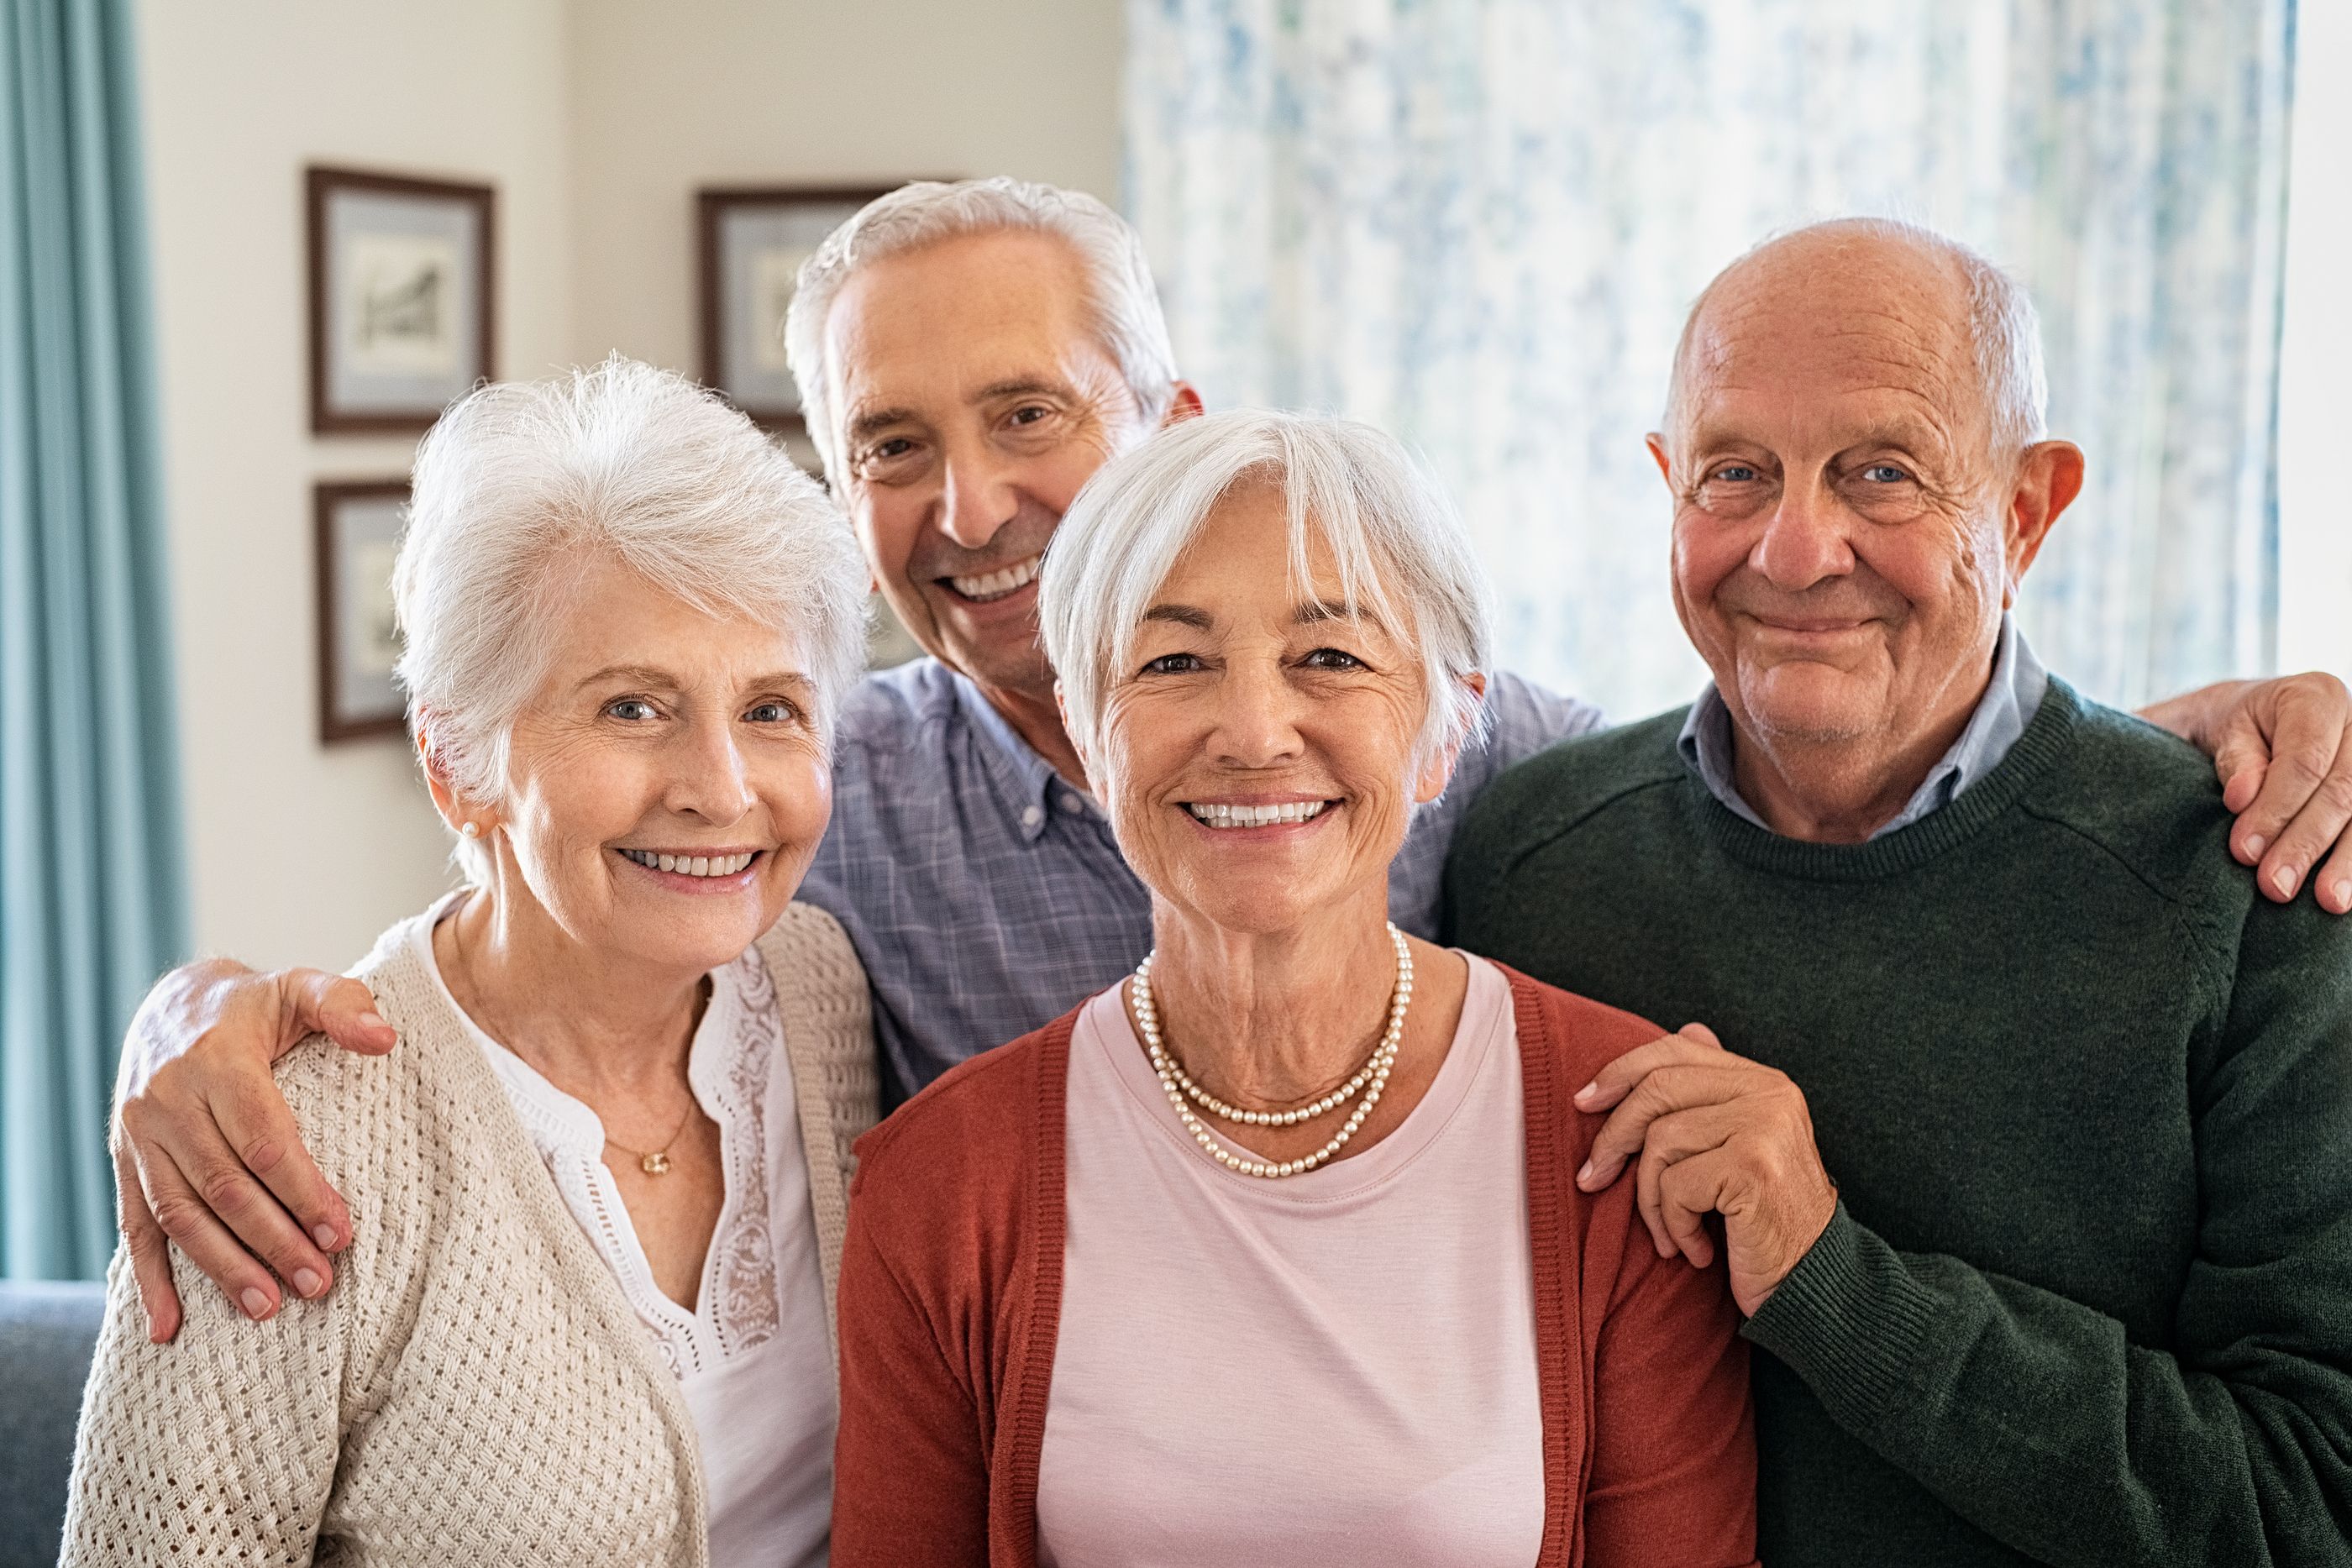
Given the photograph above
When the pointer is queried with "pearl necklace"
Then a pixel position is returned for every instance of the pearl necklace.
(1372, 1078)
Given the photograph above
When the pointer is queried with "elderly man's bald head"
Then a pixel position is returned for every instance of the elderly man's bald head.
(1973, 325)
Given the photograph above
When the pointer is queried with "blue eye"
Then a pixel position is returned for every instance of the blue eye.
(631, 708)
(1736, 473)
(1885, 474)
(773, 713)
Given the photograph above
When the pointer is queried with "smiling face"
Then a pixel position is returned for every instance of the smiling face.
(1256, 749)
(976, 398)
(666, 784)
(1845, 538)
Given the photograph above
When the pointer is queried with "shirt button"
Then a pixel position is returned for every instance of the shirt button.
(1031, 816)
(1073, 804)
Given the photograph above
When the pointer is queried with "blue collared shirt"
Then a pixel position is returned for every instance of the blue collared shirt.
(985, 895)
(2007, 706)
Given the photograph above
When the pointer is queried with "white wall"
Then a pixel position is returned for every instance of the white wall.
(301, 853)
(666, 97)
(595, 120)
(2314, 395)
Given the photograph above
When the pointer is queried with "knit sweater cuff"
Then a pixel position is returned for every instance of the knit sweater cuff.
(1849, 1320)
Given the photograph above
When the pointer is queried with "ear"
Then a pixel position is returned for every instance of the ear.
(1061, 712)
(1656, 441)
(446, 800)
(1186, 404)
(2048, 477)
(1438, 771)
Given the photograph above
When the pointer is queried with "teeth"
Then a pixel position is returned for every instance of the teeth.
(1217, 816)
(997, 584)
(691, 865)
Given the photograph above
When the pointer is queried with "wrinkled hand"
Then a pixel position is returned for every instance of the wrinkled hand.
(1715, 1133)
(206, 1152)
(2283, 750)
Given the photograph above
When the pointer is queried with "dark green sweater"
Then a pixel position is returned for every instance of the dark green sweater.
(2087, 1099)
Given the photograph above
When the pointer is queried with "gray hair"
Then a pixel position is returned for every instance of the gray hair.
(520, 481)
(2002, 329)
(1403, 555)
(1119, 281)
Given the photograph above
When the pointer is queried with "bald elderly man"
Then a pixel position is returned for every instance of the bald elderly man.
(969, 355)
(2031, 1151)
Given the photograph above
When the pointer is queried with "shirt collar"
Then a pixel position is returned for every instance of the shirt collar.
(1023, 780)
(2010, 699)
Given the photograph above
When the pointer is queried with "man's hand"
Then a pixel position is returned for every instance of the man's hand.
(205, 1150)
(1715, 1133)
(2283, 751)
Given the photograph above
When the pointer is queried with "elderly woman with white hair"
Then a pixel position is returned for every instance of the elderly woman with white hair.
(1273, 1252)
(586, 1313)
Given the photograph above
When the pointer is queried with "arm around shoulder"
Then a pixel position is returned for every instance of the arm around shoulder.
(224, 1442)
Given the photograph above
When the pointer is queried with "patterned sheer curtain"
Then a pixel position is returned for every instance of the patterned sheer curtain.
(1478, 222)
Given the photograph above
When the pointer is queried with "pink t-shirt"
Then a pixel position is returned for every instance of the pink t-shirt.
(1334, 1368)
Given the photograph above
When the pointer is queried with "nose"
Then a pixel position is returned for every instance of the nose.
(979, 496)
(709, 780)
(1256, 719)
(1804, 540)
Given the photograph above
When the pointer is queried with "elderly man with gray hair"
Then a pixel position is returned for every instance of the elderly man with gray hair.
(2033, 1169)
(970, 355)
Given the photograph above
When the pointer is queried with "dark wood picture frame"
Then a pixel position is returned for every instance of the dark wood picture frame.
(321, 184)
(328, 496)
(712, 206)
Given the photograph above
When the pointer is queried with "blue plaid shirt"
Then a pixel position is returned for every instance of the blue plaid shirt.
(986, 897)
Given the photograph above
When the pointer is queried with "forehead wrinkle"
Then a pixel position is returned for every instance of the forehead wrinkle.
(1919, 378)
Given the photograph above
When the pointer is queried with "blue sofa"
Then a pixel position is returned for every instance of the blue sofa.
(47, 1334)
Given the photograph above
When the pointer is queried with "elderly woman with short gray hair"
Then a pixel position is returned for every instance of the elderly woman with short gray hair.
(586, 1313)
(1274, 1252)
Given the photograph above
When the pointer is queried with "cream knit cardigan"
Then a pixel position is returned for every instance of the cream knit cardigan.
(475, 1388)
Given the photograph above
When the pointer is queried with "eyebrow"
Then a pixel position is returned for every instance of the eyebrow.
(863, 424)
(647, 676)
(1310, 614)
(1322, 610)
(1022, 386)
(631, 674)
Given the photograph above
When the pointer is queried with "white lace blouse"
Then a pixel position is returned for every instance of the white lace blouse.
(752, 1358)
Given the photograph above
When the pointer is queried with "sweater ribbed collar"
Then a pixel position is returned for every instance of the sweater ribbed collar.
(2045, 740)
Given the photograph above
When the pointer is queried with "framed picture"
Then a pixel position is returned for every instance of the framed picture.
(751, 243)
(401, 298)
(358, 525)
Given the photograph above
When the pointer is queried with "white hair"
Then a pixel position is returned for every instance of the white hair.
(1403, 555)
(520, 483)
(2002, 329)
(1119, 281)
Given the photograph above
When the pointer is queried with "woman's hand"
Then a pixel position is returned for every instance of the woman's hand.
(206, 1153)
(1715, 1133)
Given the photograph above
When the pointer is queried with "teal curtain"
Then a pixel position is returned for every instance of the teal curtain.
(91, 904)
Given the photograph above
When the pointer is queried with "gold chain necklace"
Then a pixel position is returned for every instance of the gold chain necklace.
(657, 1162)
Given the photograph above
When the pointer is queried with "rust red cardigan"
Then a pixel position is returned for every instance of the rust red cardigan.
(952, 1294)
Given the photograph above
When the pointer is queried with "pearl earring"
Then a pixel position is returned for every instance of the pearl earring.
(471, 830)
